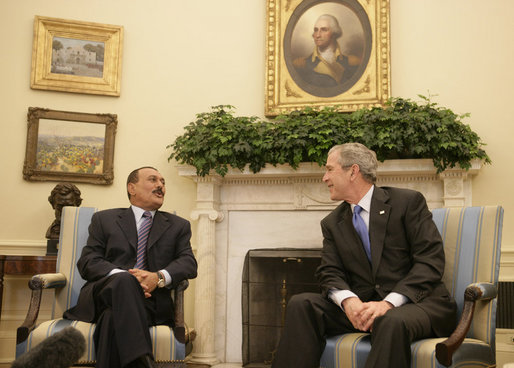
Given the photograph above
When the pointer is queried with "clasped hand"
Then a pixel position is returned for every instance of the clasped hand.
(148, 280)
(362, 315)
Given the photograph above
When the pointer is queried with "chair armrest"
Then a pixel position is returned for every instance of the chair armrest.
(37, 284)
(488, 290)
(47, 281)
(180, 328)
(473, 293)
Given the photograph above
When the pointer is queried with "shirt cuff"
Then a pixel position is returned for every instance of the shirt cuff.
(115, 270)
(167, 277)
(337, 296)
(396, 299)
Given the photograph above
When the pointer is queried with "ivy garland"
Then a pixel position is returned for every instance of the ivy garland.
(217, 140)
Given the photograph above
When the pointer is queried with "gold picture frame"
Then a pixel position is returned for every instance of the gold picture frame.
(75, 56)
(294, 80)
(69, 146)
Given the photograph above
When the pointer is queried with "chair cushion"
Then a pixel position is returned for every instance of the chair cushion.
(351, 351)
(165, 347)
(348, 351)
(168, 349)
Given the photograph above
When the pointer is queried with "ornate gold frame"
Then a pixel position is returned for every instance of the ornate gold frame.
(42, 77)
(285, 92)
(31, 170)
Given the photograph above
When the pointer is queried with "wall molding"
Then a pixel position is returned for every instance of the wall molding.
(23, 247)
(507, 263)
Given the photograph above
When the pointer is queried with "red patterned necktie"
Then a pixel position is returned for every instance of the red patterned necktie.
(142, 240)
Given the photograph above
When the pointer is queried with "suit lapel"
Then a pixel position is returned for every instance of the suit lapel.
(351, 237)
(127, 223)
(159, 226)
(378, 219)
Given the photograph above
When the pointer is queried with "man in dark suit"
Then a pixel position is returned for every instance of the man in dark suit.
(128, 277)
(386, 281)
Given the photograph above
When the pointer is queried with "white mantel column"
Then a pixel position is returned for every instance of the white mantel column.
(207, 214)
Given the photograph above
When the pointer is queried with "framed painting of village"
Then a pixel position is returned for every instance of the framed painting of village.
(69, 146)
(326, 53)
(74, 56)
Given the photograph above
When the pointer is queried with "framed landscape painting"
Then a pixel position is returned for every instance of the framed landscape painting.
(326, 53)
(74, 56)
(69, 146)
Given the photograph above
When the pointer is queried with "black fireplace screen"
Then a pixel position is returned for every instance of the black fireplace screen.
(270, 278)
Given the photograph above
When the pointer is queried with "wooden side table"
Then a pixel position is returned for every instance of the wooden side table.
(24, 265)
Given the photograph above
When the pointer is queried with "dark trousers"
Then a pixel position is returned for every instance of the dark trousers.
(122, 316)
(310, 317)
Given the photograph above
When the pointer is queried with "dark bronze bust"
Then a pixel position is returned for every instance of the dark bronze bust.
(64, 194)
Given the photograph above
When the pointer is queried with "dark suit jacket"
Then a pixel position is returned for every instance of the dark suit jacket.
(406, 251)
(112, 243)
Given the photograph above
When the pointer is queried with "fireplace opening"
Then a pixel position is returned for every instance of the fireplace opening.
(505, 306)
(270, 278)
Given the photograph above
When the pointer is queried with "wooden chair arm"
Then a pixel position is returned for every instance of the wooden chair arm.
(37, 284)
(180, 328)
(47, 281)
(473, 293)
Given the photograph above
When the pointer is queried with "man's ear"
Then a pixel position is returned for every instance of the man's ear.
(355, 169)
(131, 188)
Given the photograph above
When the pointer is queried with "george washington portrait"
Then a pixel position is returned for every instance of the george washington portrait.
(327, 45)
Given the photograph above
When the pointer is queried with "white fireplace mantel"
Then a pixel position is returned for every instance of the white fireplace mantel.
(277, 207)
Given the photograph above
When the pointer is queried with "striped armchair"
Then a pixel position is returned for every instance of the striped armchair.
(169, 346)
(472, 237)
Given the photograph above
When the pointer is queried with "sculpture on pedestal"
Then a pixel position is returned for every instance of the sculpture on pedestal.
(63, 194)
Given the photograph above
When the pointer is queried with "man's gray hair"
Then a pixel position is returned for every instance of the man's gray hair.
(359, 154)
(334, 25)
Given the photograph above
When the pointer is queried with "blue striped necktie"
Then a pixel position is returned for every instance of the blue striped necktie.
(142, 240)
(362, 230)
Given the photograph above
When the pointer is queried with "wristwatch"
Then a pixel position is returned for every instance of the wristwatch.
(161, 281)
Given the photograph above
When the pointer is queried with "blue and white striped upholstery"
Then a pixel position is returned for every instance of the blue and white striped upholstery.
(472, 238)
(73, 237)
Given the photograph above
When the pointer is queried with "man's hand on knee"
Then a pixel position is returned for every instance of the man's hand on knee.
(353, 307)
(373, 310)
(148, 280)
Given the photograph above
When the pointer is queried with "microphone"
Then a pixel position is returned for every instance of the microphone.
(61, 350)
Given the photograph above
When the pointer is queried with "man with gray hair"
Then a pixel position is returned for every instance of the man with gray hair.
(326, 66)
(381, 270)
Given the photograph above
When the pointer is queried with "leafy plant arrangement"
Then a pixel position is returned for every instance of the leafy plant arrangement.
(402, 129)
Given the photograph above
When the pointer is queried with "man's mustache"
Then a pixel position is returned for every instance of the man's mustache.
(158, 191)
